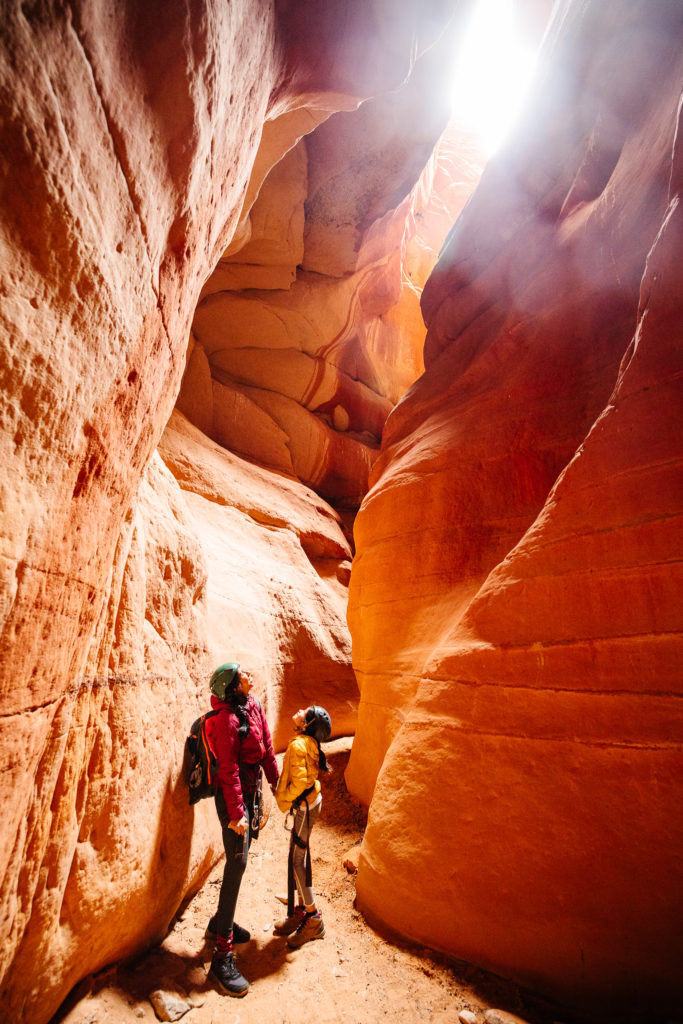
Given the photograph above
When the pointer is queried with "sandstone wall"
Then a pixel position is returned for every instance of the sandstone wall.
(310, 330)
(278, 567)
(514, 599)
(133, 144)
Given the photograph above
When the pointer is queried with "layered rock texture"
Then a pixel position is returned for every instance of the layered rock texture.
(141, 143)
(236, 206)
(515, 598)
(308, 333)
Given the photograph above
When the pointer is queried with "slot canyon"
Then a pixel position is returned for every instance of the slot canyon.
(295, 374)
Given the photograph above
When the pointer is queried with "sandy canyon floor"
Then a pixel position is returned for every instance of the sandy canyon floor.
(352, 976)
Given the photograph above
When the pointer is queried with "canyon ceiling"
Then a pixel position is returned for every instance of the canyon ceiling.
(220, 231)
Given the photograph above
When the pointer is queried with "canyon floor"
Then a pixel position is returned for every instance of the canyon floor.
(352, 976)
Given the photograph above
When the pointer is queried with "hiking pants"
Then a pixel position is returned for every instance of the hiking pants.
(236, 853)
(303, 826)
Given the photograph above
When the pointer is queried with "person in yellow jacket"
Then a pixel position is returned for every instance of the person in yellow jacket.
(298, 792)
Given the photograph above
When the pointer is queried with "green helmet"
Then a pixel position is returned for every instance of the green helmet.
(225, 678)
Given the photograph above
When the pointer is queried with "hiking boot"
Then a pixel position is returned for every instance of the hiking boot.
(239, 934)
(225, 973)
(290, 924)
(310, 928)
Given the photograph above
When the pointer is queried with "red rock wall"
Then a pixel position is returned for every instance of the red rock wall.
(515, 604)
(104, 148)
(277, 571)
(130, 134)
(310, 330)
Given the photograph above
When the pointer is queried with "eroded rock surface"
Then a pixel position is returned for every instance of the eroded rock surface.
(277, 574)
(309, 330)
(519, 552)
(134, 139)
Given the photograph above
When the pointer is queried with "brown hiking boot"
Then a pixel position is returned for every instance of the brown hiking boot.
(291, 923)
(309, 929)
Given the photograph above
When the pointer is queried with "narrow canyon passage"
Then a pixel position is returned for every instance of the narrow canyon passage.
(353, 975)
(296, 373)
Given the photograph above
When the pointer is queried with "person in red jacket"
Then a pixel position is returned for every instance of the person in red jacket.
(241, 740)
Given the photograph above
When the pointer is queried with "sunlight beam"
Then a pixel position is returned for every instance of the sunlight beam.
(493, 72)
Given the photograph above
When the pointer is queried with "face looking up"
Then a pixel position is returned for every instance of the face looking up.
(246, 682)
(299, 719)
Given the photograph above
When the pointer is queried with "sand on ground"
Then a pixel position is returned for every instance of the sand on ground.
(352, 976)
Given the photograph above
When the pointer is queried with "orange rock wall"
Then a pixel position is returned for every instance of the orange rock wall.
(514, 604)
(277, 571)
(309, 330)
(133, 138)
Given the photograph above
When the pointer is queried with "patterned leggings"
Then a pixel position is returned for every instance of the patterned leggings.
(303, 826)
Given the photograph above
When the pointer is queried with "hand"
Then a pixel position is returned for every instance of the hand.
(239, 825)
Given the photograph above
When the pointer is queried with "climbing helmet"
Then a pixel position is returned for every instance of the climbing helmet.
(318, 723)
(225, 678)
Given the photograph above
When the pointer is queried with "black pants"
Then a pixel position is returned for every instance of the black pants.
(236, 852)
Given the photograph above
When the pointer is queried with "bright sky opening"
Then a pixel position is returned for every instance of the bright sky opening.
(494, 69)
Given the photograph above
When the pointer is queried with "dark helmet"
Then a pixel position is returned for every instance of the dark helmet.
(225, 678)
(318, 723)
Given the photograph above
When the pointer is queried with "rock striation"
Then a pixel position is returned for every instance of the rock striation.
(277, 571)
(513, 605)
(309, 330)
(131, 161)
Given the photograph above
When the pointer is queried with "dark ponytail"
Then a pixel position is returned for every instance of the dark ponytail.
(238, 704)
(318, 725)
(323, 766)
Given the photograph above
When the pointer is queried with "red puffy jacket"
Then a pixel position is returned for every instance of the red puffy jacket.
(240, 756)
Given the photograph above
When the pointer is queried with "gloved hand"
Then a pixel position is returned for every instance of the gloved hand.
(239, 825)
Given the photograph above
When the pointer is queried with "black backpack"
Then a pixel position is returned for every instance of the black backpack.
(201, 764)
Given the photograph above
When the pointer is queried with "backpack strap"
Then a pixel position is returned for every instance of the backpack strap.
(208, 749)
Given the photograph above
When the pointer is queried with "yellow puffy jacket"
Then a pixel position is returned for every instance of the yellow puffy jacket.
(299, 771)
